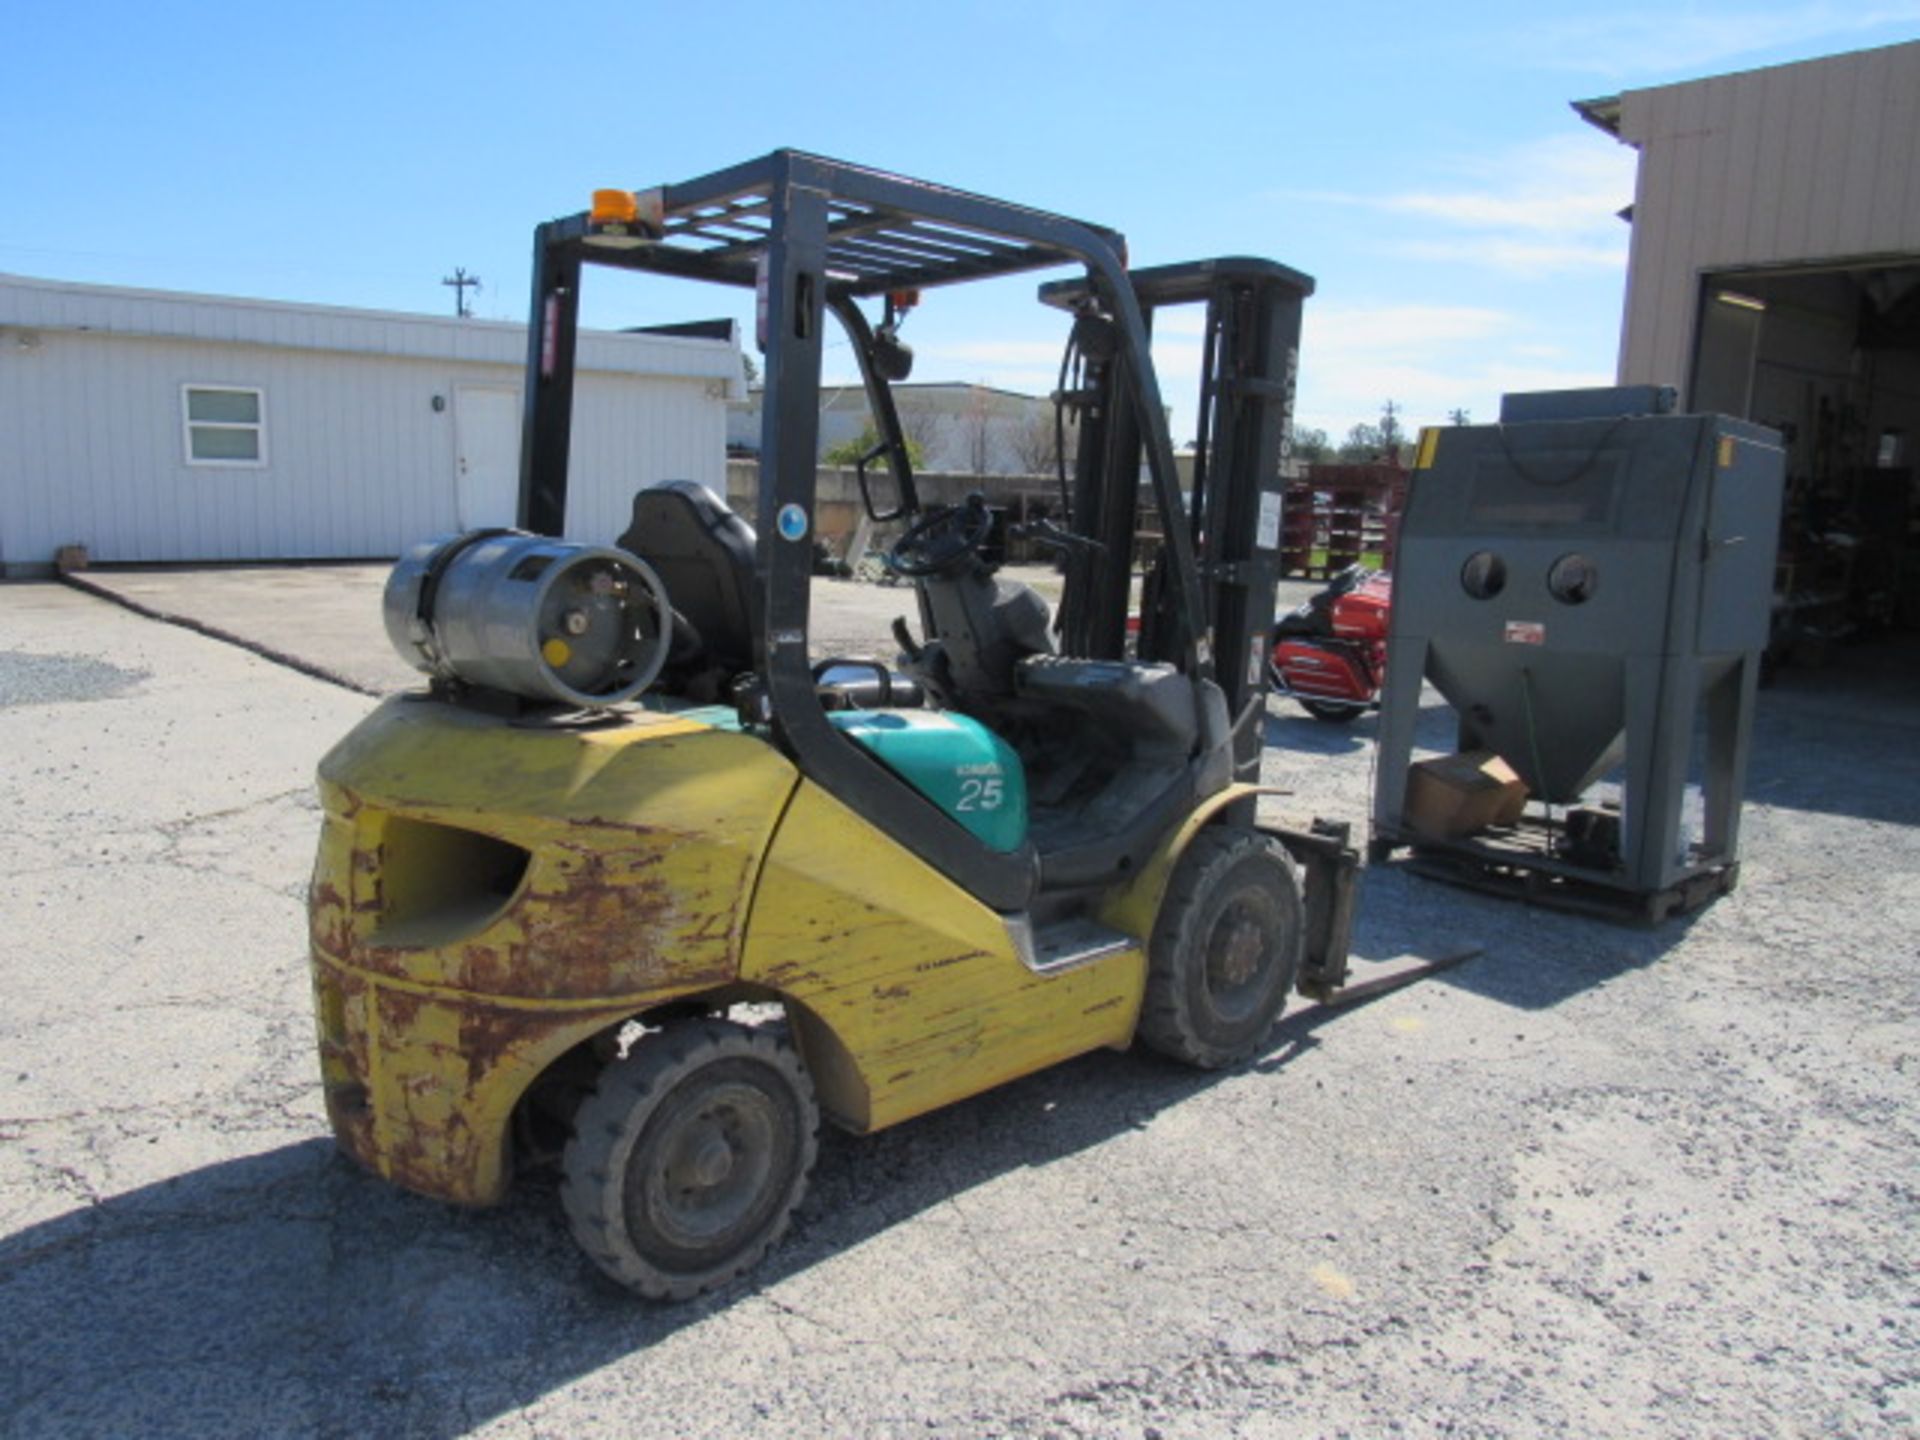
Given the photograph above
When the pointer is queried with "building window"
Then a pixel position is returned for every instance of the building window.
(225, 424)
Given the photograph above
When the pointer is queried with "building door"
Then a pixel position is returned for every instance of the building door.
(486, 456)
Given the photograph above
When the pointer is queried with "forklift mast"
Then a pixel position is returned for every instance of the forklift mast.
(1249, 360)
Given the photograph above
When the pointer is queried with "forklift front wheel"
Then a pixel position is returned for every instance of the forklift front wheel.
(688, 1158)
(1225, 949)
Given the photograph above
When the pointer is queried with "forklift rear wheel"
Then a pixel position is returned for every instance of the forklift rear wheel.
(1225, 949)
(688, 1158)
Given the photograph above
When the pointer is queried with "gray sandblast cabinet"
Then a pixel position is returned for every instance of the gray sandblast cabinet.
(1589, 585)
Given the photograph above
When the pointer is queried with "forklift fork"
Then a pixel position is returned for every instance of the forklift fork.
(1332, 885)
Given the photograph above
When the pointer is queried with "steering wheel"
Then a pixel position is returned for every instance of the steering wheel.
(942, 537)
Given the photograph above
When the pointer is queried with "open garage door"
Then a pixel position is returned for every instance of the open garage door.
(1830, 357)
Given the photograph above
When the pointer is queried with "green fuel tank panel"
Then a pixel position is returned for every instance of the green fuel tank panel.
(953, 760)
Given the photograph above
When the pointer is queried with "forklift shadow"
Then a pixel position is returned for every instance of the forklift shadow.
(285, 1291)
(243, 1295)
(867, 1184)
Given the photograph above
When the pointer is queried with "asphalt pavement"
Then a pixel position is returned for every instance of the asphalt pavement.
(1597, 1181)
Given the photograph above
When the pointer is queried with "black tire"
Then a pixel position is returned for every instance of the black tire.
(688, 1158)
(1334, 712)
(1225, 949)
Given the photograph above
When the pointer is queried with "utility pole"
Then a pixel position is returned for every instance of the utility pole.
(1460, 417)
(1390, 433)
(460, 280)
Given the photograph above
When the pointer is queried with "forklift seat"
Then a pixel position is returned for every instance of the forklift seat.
(1149, 707)
(704, 554)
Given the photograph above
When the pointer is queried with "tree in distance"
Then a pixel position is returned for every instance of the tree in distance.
(1311, 447)
(848, 452)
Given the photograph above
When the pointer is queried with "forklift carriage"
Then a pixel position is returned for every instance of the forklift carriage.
(632, 798)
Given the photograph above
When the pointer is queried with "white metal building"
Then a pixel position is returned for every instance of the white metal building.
(155, 426)
(961, 428)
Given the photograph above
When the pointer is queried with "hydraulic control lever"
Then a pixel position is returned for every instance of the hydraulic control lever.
(1044, 531)
(1077, 550)
(908, 645)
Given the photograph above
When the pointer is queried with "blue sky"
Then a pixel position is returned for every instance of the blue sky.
(1419, 160)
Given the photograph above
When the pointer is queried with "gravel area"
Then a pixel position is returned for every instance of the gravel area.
(27, 679)
(1598, 1181)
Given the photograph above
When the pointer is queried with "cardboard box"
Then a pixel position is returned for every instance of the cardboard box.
(1462, 794)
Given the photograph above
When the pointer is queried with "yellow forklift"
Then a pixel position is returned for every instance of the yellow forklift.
(641, 880)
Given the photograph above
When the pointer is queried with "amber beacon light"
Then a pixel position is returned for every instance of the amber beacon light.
(615, 207)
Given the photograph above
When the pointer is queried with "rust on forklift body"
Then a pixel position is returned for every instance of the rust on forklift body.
(462, 945)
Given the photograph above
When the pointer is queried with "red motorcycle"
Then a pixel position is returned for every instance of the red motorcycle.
(1331, 653)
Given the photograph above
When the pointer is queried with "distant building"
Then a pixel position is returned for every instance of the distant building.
(966, 429)
(155, 426)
